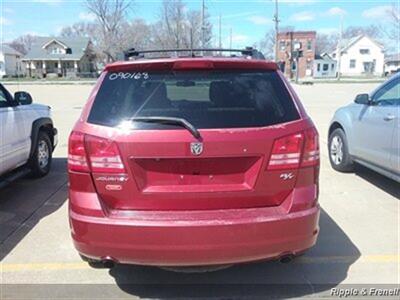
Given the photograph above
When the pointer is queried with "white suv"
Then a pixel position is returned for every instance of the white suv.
(27, 137)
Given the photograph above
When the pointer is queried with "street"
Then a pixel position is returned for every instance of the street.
(358, 242)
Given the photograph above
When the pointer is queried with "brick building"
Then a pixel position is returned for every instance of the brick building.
(292, 42)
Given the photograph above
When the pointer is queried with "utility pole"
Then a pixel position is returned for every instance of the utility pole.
(291, 54)
(276, 20)
(203, 8)
(191, 41)
(220, 33)
(230, 38)
(339, 50)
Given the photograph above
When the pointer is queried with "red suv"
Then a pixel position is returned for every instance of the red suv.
(193, 161)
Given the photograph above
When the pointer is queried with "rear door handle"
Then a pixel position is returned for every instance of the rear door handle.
(389, 117)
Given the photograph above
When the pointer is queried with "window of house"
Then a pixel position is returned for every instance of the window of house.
(309, 45)
(352, 63)
(296, 45)
(332, 66)
(56, 50)
(318, 67)
(364, 51)
(325, 67)
(282, 45)
(55, 65)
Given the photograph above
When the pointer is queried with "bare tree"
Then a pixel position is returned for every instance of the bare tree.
(169, 30)
(394, 14)
(80, 29)
(393, 32)
(23, 43)
(110, 15)
(267, 44)
(372, 31)
(137, 34)
(326, 42)
(178, 27)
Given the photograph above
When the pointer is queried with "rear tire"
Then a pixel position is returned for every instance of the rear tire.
(338, 149)
(40, 161)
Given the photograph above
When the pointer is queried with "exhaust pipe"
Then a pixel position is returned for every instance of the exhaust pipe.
(285, 259)
(108, 263)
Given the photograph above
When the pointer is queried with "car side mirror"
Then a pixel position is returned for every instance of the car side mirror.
(23, 98)
(363, 99)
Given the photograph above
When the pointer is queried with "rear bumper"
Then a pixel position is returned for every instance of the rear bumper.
(188, 238)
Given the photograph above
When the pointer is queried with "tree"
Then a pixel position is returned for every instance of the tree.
(137, 34)
(80, 29)
(326, 42)
(172, 26)
(178, 27)
(267, 44)
(23, 43)
(393, 30)
(110, 17)
(372, 31)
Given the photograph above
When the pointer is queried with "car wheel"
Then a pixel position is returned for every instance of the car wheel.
(40, 161)
(339, 156)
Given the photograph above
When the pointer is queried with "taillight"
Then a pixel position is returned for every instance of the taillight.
(89, 153)
(193, 64)
(103, 155)
(286, 152)
(77, 160)
(311, 148)
(289, 150)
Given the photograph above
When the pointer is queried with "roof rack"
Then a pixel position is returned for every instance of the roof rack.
(248, 52)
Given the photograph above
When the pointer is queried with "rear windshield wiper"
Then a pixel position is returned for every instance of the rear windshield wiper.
(170, 120)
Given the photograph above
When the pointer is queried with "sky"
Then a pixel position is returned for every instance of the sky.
(249, 20)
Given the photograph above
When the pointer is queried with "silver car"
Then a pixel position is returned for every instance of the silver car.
(368, 132)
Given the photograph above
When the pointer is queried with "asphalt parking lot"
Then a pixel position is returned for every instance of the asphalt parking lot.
(358, 242)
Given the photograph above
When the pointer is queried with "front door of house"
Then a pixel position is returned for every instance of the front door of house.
(369, 67)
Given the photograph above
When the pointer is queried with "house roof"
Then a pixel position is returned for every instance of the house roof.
(393, 57)
(6, 49)
(347, 43)
(324, 56)
(77, 45)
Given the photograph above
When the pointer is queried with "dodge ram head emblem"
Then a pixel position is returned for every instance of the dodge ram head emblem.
(196, 148)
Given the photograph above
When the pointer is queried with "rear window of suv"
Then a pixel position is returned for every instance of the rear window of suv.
(207, 99)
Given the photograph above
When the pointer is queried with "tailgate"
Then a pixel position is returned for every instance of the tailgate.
(164, 174)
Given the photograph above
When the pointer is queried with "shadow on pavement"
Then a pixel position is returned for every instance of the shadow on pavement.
(25, 202)
(323, 267)
(384, 183)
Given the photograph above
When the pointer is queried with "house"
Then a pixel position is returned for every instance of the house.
(360, 55)
(60, 56)
(324, 66)
(10, 62)
(296, 52)
(392, 64)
